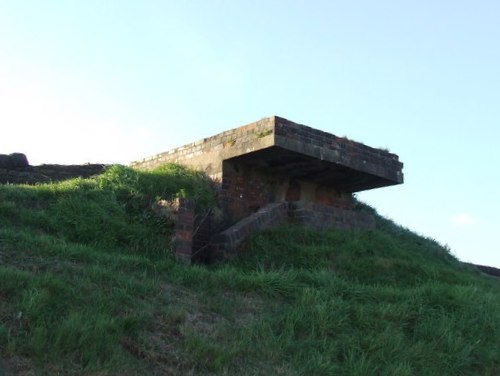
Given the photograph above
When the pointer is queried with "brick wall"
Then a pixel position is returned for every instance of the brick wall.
(225, 244)
(322, 217)
(204, 228)
(207, 154)
(246, 189)
(319, 144)
(275, 166)
(192, 233)
(276, 160)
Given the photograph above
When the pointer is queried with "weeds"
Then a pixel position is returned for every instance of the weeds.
(88, 286)
(264, 133)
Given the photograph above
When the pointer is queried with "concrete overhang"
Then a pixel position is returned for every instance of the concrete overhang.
(282, 162)
(308, 154)
(283, 147)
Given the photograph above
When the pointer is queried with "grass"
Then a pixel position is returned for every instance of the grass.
(88, 285)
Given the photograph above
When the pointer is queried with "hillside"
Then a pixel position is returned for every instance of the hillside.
(88, 286)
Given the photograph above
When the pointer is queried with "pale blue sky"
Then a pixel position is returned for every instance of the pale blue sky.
(114, 81)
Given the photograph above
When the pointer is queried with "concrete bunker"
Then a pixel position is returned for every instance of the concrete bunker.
(294, 171)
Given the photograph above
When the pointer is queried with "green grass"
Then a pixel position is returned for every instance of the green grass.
(88, 285)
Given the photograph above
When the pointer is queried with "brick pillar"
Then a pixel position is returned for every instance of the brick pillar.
(184, 228)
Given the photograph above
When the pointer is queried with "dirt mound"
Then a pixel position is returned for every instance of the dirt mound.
(489, 270)
(15, 169)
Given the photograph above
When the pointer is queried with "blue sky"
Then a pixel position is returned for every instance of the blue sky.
(115, 81)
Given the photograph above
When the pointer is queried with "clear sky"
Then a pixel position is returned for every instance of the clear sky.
(115, 81)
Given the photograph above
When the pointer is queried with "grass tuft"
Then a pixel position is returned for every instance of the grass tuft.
(88, 285)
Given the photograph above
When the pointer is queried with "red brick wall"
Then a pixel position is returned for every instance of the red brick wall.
(331, 197)
(207, 154)
(355, 154)
(244, 190)
(323, 217)
(225, 244)
(194, 240)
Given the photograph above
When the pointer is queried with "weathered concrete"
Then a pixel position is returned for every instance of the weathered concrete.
(287, 148)
(275, 160)
(274, 163)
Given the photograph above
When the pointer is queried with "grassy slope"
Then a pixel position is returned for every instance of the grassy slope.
(88, 286)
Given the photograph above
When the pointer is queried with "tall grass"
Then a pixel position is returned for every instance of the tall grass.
(88, 286)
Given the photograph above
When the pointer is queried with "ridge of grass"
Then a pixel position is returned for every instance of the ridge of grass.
(88, 285)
